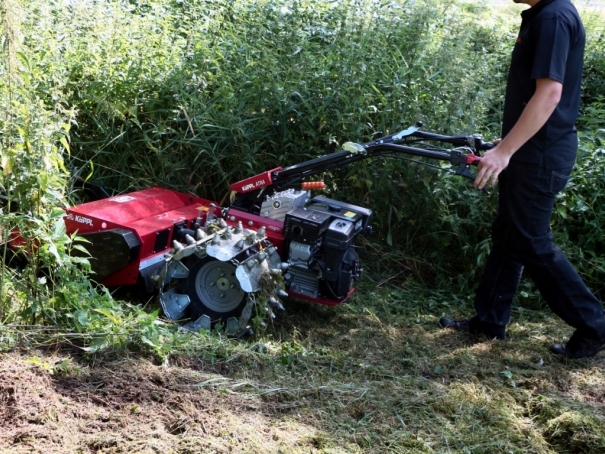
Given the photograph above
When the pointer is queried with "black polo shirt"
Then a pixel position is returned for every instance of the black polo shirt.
(550, 45)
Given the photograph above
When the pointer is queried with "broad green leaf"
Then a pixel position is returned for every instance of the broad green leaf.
(107, 313)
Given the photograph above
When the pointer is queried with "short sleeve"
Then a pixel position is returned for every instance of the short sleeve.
(552, 38)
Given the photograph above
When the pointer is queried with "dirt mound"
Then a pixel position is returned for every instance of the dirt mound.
(49, 404)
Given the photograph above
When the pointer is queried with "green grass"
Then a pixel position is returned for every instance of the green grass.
(200, 96)
(374, 375)
(378, 375)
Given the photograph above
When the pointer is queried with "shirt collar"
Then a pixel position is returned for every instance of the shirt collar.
(534, 10)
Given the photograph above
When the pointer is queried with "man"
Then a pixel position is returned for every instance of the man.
(533, 162)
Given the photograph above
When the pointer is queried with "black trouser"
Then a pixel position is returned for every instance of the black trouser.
(522, 240)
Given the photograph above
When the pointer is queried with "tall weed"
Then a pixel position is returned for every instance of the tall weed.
(195, 95)
(50, 286)
(578, 220)
(180, 94)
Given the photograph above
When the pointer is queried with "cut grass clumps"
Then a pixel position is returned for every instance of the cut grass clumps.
(570, 425)
(349, 379)
(373, 380)
(574, 431)
(480, 418)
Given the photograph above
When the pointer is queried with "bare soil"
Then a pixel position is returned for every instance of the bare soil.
(321, 381)
(131, 405)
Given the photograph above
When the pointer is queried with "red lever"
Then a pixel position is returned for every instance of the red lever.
(472, 160)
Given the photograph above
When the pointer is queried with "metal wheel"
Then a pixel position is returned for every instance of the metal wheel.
(214, 290)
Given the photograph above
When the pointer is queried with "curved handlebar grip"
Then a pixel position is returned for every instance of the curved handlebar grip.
(486, 145)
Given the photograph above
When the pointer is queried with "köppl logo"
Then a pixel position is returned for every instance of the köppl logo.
(80, 219)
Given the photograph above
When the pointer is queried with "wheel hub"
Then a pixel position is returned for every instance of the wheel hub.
(217, 286)
(223, 284)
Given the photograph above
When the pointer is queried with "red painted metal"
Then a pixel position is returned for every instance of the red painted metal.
(273, 228)
(321, 300)
(262, 180)
(145, 213)
(472, 159)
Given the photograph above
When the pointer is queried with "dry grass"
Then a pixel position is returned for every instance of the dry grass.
(324, 380)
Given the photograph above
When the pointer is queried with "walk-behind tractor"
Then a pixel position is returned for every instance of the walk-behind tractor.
(210, 263)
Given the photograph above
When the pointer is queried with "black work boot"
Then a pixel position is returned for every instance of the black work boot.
(457, 325)
(471, 326)
(582, 348)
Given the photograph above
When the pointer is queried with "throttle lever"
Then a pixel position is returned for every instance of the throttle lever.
(464, 162)
(465, 171)
(472, 160)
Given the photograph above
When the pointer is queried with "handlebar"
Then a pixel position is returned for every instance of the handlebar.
(410, 141)
(467, 153)
(414, 134)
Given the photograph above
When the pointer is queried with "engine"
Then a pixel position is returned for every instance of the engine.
(320, 237)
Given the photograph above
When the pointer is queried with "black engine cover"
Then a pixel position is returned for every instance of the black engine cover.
(305, 226)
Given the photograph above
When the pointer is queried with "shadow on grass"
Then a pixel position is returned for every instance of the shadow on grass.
(346, 379)
(423, 388)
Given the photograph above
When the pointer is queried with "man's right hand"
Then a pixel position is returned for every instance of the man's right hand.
(492, 163)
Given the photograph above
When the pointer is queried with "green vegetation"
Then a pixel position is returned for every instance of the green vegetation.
(194, 95)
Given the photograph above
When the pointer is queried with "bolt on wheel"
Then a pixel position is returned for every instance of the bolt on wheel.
(214, 289)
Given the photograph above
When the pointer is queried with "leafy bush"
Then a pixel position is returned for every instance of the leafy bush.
(594, 65)
(181, 94)
(51, 286)
(196, 95)
(580, 212)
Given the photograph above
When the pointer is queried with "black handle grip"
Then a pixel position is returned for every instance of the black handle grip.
(485, 145)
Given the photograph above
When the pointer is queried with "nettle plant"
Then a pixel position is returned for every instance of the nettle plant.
(33, 178)
(580, 214)
(33, 141)
(50, 285)
(44, 283)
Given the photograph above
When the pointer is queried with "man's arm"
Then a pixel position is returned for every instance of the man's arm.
(537, 111)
